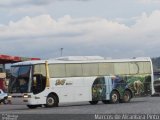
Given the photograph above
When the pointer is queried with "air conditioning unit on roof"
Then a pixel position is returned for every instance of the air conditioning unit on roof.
(76, 58)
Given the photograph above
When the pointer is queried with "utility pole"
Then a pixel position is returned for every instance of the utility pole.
(61, 52)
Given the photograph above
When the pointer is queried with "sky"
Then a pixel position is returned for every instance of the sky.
(108, 28)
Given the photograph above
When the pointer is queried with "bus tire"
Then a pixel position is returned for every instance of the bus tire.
(51, 101)
(127, 96)
(93, 102)
(114, 97)
(105, 101)
(32, 106)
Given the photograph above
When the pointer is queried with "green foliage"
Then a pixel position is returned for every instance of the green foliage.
(121, 90)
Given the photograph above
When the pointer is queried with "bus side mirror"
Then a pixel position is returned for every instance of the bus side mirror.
(36, 78)
(34, 81)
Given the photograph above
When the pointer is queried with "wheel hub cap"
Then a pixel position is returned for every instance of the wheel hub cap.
(50, 101)
(114, 97)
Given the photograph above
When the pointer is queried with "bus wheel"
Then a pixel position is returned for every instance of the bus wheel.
(32, 106)
(93, 102)
(105, 101)
(126, 96)
(114, 98)
(51, 101)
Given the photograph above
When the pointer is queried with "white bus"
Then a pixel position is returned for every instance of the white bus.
(77, 79)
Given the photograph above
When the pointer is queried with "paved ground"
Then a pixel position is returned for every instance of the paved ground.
(146, 105)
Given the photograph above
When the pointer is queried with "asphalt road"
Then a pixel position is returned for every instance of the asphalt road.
(145, 105)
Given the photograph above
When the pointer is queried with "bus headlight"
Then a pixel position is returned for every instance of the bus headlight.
(9, 96)
(26, 96)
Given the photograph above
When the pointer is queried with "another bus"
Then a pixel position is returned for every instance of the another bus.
(77, 79)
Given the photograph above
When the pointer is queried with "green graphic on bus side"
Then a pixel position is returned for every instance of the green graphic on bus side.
(139, 85)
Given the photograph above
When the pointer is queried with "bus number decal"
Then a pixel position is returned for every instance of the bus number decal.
(60, 82)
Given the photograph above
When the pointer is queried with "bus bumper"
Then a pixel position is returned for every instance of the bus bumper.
(22, 99)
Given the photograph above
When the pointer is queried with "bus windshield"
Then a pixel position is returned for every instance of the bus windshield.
(19, 82)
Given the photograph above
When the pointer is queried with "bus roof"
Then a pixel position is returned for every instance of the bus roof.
(75, 60)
